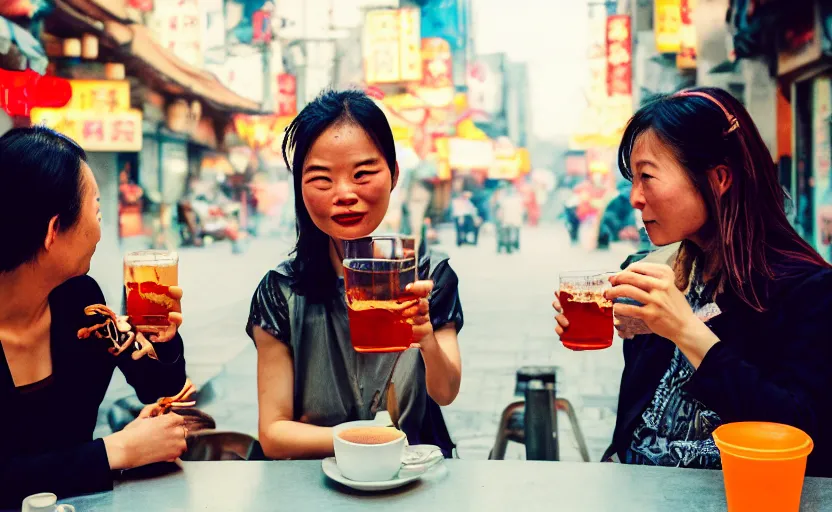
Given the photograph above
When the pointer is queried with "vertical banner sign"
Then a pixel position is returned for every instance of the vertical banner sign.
(619, 56)
(381, 47)
(667, 18)
(287, 97)
(410, 45)
(821, 163)
(392, 46)
(686, 59)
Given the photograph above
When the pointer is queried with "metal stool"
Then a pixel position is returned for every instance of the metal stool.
(533, 421)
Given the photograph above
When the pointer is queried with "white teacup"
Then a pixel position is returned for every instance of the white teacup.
(368, 462)
(45, 502)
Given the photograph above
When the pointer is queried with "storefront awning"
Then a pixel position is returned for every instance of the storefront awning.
(177, 74)
(19, 50)
(134, 45)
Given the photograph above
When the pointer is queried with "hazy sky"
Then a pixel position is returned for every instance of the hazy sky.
(551, 36)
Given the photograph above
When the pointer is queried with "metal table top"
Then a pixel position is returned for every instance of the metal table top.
(458, 485)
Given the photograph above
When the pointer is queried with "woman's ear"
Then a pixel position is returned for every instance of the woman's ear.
(721, 179)
(395, 176)
(51, 233)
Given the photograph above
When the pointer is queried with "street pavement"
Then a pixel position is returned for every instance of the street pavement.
(508, 324)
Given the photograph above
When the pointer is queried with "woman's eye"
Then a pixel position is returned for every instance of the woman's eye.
(363, 174)
(318, 180)
(645, 177)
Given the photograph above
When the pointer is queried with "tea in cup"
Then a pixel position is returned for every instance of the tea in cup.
(368, 452)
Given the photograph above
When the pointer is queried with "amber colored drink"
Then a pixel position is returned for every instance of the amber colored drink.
(148, 276)
(590, 321)
(376, 324)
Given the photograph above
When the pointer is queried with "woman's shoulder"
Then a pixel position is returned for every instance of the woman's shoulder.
(436, 264)
(83, 290)
(275, 285)
(811, 281)
(282, 274)
(802, 289)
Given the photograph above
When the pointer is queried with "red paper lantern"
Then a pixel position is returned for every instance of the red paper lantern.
(21, 91)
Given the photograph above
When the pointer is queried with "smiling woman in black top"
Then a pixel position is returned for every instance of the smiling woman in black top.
(51, 382)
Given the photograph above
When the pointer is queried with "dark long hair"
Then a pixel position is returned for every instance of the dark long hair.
(40, 178)
(312, 271)
(706, 128)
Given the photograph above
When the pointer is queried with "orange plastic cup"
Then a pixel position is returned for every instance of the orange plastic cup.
(763, 465)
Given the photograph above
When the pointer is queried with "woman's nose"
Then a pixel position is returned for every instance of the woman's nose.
(345, 195)
(637, 198)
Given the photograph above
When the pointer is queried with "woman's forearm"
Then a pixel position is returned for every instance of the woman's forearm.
(286, 439)
(442, 374)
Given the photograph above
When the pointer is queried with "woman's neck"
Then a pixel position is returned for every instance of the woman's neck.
(336, 256)
(24, 295)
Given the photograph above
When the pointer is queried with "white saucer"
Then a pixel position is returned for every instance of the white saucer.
(420, 463)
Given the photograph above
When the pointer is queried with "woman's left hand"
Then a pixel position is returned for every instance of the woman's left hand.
(665, 309)
(174, 317)
(418, 314)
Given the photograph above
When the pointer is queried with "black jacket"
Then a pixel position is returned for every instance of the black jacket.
(772, 366)
(46, 435)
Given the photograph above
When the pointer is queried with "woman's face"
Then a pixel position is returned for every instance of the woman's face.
(72, 250)
(346, 182)
(671, 206)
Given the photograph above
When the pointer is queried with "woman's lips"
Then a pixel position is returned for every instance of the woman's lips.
(348, 219)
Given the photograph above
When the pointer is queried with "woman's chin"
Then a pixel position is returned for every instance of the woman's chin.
(361, 230)
(661, 240)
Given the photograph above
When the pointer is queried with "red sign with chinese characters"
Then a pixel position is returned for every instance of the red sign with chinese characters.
(287, 97)
(261, 24)
(21, 91)
(619, 56)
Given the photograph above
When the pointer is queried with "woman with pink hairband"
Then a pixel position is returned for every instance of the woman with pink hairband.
(728, 321)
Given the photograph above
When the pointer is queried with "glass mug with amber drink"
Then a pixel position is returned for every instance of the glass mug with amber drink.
(148, 276)
(581, 296)
(377, 270)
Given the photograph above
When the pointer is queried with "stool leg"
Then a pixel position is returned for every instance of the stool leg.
(501, 442)
(562, 404)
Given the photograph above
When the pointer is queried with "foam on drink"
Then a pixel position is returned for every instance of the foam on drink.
(371, 435)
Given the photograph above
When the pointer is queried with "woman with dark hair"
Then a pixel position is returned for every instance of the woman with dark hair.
(342, 157)
(51, 382)
(735, 318)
